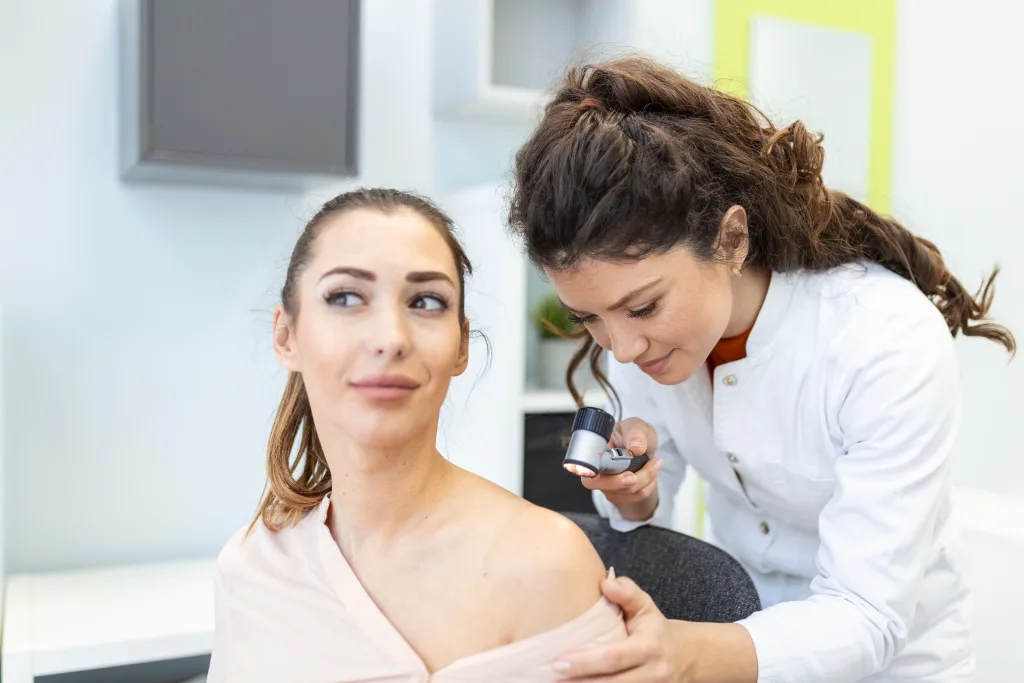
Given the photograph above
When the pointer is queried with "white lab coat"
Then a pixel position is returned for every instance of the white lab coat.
(826, 452)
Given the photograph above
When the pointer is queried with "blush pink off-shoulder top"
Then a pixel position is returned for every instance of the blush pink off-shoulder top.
(290, 609)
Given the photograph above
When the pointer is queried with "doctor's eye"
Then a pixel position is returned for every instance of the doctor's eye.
(581, 320)
(645, 312)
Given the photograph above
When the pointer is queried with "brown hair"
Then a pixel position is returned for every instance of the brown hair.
(298, 479)
(632, 158)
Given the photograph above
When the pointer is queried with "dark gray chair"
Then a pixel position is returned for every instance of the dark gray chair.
(687, 578)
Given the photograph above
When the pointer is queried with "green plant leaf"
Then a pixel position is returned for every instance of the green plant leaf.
(551, 311)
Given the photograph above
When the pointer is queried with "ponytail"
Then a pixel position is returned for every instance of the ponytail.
(295, 484)
(840, 230)
(860, 233)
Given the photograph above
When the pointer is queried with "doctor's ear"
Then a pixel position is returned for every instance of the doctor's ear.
(284, 340)
(733, 238)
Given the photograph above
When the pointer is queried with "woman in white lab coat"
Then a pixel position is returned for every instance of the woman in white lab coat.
(787, 342)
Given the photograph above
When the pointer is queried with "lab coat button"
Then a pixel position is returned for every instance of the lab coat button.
(733, 459)
(730, 380)
(765, 528)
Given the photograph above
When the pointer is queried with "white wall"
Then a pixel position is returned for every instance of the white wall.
(481, 426)
(139, 378)
(2, 465)
(957, 180)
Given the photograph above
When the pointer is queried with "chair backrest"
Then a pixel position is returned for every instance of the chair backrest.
(687, 578)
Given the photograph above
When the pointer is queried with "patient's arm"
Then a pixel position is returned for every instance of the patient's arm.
(551, 572)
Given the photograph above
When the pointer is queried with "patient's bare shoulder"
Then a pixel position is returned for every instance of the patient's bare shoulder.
(551, 571)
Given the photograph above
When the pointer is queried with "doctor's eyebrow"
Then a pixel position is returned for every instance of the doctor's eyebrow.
(621, 303)
(570, 308)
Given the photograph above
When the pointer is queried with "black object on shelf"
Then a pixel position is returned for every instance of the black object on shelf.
(545, 481)
(167, 671)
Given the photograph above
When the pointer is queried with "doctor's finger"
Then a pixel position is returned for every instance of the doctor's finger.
(637, 675)
(640, 480)
(599, 662)
(636, 435)
(645, 476)
(606, 482)
(638, 496)
(625, 482)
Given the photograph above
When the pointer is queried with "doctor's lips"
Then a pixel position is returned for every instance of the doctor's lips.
(658, 365)
(385, 387)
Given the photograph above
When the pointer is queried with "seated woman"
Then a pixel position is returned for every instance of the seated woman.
(373, 558)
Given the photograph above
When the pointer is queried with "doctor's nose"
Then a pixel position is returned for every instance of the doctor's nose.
(626, 347)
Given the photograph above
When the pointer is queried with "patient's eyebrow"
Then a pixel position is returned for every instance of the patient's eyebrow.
(414, 276)
(428, 276)
(359, 273)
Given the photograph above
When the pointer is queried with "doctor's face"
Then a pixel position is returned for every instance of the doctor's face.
(664, 312)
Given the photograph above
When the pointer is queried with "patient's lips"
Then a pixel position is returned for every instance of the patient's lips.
(387, 387)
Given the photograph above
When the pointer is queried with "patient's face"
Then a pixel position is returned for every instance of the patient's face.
(377, 336)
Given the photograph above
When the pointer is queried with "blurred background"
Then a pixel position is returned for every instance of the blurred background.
(158, 158)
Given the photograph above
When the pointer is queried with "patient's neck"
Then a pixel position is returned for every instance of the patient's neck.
(380, 494)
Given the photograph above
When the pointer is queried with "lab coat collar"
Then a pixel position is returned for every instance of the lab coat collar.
(773, 311)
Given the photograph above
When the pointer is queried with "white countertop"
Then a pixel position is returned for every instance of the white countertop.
(78, 620)
(536, 400)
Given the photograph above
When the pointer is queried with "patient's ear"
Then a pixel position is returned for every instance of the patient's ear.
(284, 340)
(462, 362)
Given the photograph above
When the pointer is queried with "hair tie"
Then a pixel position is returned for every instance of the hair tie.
(591, 102)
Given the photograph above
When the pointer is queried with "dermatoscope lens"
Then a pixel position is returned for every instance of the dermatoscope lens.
(579, 470)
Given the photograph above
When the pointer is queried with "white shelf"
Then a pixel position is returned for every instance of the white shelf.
(496, 59)
(558, 400)
(62, 622)
(498, 103)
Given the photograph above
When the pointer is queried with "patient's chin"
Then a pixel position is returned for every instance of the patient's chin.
(385, 431)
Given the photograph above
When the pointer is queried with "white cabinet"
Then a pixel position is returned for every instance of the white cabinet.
(496, 59)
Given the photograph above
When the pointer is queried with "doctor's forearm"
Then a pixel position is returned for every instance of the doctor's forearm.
(714, 653)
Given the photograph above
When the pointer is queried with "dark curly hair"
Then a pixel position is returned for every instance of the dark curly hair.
(632, 158)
